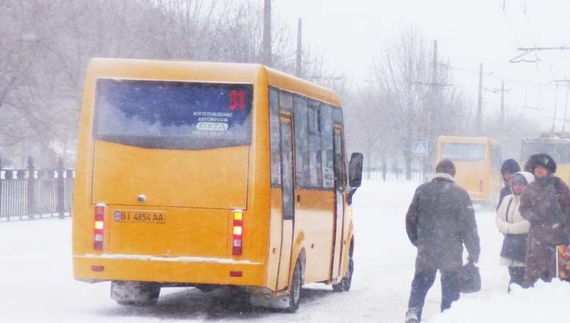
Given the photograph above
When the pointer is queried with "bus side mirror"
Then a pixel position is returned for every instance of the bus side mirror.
(355, 170)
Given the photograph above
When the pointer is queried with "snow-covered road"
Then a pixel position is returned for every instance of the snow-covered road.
(36, 283)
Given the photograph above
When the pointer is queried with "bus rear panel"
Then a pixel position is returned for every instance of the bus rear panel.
(477, 161)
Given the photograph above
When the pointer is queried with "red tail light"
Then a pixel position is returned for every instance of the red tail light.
(99, 227)
(237, 237)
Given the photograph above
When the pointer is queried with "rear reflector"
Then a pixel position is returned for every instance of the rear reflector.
(236, 273)
(98, 268)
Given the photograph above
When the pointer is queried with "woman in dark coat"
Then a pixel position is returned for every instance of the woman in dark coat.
(546, 205)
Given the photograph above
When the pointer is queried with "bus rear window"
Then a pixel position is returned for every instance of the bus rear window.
(559, 149)
(463, 151)
(173, 115)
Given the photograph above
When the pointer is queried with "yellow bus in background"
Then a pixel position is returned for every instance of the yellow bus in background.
(556, 145)
(478, 166)
(211, 175)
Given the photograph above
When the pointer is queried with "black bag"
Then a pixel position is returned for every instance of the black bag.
(514, 247)
(469, 278)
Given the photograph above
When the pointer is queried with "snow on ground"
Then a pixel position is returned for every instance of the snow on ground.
(36, 283)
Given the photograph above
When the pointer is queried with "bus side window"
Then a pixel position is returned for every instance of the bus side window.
(338, 164)
(315, 160)
(301, 141)
(327, 146)
(285, 101)
(275, 139)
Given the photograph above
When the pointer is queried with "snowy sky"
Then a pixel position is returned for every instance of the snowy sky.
(469, 32)
(36, 281)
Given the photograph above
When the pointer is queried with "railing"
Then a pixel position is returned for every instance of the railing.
(27, 194)
(378, 175)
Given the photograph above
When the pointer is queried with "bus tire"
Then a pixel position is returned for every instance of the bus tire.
(346, 282)
(129, 293)
(295, 293)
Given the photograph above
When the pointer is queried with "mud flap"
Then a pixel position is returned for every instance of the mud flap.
(260, 300)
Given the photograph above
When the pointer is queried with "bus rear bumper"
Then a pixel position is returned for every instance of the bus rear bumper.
(181, 270)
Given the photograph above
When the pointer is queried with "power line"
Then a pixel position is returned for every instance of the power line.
(490, 75)
(543, 48)
(528, 50)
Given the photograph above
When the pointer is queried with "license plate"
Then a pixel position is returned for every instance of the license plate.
(140, 216)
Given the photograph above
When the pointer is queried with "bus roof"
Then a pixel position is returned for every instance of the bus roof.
(301, 86)
(193, 71)
(544, 140)
(466, 139)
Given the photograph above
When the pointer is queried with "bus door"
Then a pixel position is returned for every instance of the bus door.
(338, 222)
(288, 207)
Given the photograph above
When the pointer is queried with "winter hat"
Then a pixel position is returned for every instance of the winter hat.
(518, 178)
(510, 166)
(445, 166)
(543, 160)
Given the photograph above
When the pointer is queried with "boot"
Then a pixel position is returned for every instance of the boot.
(412, 316)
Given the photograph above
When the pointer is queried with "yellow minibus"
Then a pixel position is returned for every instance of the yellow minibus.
(556, 145)
(478, 166)
(211, 175)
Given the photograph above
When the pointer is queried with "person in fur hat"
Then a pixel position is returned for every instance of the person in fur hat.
(439, 221)
(546, 205)
(514, 228)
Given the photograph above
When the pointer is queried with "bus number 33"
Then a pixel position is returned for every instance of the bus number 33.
(237, 100)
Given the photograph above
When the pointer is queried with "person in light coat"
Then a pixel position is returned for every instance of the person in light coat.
(515, 229)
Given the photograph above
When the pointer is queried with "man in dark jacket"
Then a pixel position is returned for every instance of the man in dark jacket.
(546, 205)
(440, 220)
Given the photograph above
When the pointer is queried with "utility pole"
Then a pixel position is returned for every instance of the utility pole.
(434, 113)
(434, 67)
(556, 104)
(434, 89)
(433, 108)
(266, 50)
(299, 62)
(502, 104)
(480, 100)
(502, 90)
(566, 108)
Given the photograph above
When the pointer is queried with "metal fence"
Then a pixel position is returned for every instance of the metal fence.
(376, 174)
(30, 193)
(27, 194)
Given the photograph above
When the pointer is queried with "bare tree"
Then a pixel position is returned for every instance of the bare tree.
(398, 76)
(364, 117)
(416, 102)
(46, 47)
(27, 82)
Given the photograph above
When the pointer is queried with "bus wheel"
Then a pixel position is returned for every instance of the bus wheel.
(345, 282)
(295, 294)
(135, 293)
